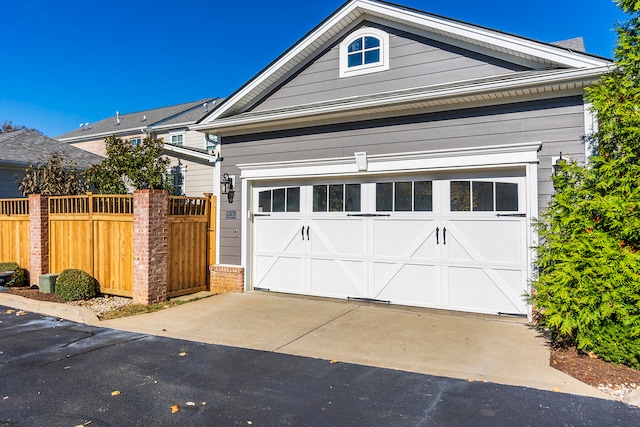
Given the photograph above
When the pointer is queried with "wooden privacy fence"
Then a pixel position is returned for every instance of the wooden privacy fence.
(14, 231)
(94, 233)
(191, 244)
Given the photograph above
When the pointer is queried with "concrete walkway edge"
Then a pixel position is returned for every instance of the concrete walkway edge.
(52, 309)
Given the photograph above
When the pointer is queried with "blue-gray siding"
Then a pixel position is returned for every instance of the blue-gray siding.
(8, 184)
(558, 124)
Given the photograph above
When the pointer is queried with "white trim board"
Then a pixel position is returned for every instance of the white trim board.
(465, 158)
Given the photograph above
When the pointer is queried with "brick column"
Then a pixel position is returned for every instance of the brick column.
(150, 237)
(226, 278)
(38, 237)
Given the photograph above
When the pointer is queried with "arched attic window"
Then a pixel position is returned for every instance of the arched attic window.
(364, 51)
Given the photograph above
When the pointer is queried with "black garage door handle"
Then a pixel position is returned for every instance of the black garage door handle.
(444, 236)
(437, 235)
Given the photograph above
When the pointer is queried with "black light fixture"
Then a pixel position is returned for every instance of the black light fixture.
(226, 187)
(556, 165)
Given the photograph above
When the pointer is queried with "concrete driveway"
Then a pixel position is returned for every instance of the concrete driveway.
(436, 342)
(451, 344)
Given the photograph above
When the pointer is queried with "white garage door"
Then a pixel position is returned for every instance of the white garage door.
(446, 242)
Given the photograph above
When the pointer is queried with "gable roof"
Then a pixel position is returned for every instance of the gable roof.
(24, 147)
(533, 54)
(157, 118)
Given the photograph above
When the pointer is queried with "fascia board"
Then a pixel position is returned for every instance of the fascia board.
(90, 137)
(563, 76)
(182, 125)
(190, 153)
(13, 164)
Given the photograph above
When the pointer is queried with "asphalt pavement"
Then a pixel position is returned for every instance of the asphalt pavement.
(56, 372)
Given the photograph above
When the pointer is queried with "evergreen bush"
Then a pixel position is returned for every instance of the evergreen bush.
(587, 292)
(73, 284)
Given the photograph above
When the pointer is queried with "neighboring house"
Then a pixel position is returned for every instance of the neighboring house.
(20, 148)
(399, 156)
(192, 153)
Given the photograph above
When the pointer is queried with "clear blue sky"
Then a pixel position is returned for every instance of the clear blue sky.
(67, 62)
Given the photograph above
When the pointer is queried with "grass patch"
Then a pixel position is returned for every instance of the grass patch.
(135, 309)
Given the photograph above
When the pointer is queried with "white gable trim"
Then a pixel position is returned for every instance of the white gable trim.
(358, 10)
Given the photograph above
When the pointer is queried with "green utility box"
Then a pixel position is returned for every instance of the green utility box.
(48, 283)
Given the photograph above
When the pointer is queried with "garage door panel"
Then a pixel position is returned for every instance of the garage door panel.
(338, 278)
(484, 290)
(339, 237)
(279, 235)
(285, 274)
(411, 239)
(407, 284)
(487, 240)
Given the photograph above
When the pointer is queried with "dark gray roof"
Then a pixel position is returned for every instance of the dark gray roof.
(575, 44)
(23, 147)
(182, 113)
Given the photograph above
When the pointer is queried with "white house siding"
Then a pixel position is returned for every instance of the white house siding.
(414, 61)
(193, 139)
(199, 173)
(558, 124)
(198, 176)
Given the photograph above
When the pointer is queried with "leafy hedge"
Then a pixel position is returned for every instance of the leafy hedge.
(73, 284)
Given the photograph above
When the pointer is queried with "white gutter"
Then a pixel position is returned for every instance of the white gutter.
(102, 134)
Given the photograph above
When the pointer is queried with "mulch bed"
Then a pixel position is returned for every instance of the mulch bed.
(592, 371)
(35, 294)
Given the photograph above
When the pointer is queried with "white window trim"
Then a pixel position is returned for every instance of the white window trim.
(382, 65)
(172, 134)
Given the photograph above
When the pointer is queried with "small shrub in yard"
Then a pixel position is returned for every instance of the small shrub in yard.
(73, 284)
(19, 278)
(19, 275)
(8, 266)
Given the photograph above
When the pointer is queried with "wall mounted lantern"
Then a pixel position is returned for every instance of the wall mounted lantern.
(556, 164)
(226, 186)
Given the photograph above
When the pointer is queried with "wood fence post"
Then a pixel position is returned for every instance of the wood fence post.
(38, 237)
(150, 239)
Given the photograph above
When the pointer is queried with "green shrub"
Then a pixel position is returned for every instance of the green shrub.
(8, 266)
(19, 275)
(73, 284)
(19, 278)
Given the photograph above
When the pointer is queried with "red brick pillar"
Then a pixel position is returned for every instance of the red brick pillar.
(38, 237)
(150, 236)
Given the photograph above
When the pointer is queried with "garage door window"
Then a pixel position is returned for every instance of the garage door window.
(404, 196)
(336, 198)
(279, 200)
(483, 196)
